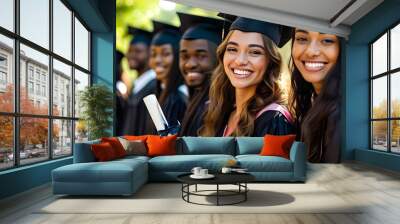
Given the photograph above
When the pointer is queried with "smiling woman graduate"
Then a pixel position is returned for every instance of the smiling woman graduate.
(315, 97)
(245, 98)
(164, 51)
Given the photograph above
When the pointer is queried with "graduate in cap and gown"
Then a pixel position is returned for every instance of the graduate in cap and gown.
(145, 84)
(197, 60)
(245, 97)
(164, 59)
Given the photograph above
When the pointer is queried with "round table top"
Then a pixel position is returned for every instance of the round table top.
(220, 178)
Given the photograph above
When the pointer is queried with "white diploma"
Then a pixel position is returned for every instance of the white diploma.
(155, 112)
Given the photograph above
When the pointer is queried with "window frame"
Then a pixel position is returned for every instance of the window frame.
(16, 115)
(388, 74)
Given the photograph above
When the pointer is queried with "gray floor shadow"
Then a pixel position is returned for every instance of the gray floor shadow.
(255, 198)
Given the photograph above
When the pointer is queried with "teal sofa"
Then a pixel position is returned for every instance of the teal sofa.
(125, 176)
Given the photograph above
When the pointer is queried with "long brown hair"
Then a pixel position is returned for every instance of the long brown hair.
(311, 110)
(222, 94)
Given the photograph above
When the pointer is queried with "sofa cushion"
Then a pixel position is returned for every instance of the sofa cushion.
(103, 152)
(249, 145)
(161, 145)
(111, 171)
(135, 147)
(206, 145)
(185, 163)
(117, 146)
(257, 163)
(277, 145)
(83, 152)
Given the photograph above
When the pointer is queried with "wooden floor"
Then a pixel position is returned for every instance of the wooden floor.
(378, 189)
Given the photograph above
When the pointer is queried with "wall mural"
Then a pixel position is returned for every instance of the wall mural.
(225, 75)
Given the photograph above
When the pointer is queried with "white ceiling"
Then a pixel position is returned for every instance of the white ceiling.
(328, 16)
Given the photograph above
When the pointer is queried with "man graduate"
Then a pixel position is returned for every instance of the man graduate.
(197, 60)
(145, 84)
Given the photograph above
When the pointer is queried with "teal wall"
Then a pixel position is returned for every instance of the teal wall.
(357, 85)
(99, 16)
(24, 178)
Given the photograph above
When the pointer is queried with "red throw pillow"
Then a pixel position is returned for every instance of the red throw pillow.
(277, 145)
(116, 145)
(159, 146)
(103, 152)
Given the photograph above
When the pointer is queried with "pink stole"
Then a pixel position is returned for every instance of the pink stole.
(272, 106)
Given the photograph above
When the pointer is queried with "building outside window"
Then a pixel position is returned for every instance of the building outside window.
(3, 72)
(30, 87)
(385, 93)
(59, 125)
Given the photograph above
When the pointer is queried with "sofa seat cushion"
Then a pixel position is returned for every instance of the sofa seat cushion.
(185, 163)
(257, 163)
(111, 171)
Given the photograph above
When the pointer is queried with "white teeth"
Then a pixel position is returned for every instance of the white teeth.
(314, 65)
(241, 72)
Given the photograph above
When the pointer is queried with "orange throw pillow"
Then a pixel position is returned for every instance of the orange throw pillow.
(103, 152)
(159, 146)
(277, 145)
(116, 145)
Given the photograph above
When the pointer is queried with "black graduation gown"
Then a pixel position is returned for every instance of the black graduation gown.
(270, 122)
(195, 113)
(174, 109)
(136, 113)
(328, 151)
(121, 105)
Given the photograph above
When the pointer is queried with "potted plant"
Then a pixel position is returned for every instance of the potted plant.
(96, 102)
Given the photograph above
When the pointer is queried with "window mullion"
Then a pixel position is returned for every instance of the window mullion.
(50, 81)
(73, 82)
(16, 84)
(389, 106)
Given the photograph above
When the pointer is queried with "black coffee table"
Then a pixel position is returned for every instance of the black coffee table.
(238, 179)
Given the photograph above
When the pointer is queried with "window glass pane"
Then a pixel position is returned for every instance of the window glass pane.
(7, 14)
(81, 81)
(35, 21)
(62, 138)
(379, 135)
(34, 96)
(62, 29)
(62, 89)
(379, 98)
(6, 74)
(81, 45)
(395, 47)
(6, 142)
(379, 55)
(81, 131)
(395, 138)
(395, 94)
(33, 140)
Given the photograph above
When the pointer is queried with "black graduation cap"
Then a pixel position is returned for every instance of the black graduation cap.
(200, 27)
(165, 34)
(227, 16)
(279, 34)
(140, 35)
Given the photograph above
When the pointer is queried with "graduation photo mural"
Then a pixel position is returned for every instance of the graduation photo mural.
(191, 72)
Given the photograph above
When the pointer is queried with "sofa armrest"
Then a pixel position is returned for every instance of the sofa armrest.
(299, 159)
(83, 153)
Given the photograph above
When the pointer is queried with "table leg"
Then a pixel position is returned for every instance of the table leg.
(196, 188)
(245, 191)
(217, 194)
